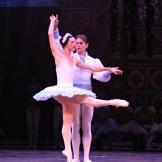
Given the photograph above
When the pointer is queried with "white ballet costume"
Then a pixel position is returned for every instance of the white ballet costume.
(64, 85)
(64, 89)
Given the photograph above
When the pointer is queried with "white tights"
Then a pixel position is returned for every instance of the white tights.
(68, 112)
(83, 116)
(69, 106)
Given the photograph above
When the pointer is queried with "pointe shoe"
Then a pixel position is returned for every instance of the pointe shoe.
(67, 155)
(119, 103)
(64, 153)
(87, 160)
(75, 160)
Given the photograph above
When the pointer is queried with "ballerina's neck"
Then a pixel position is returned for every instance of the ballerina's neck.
(67, 52)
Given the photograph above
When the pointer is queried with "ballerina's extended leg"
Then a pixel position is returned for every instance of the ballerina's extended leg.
(101, 103)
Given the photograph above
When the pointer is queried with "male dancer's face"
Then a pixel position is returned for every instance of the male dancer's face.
(81, 46)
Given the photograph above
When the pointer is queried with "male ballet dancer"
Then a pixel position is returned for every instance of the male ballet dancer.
(83, 115)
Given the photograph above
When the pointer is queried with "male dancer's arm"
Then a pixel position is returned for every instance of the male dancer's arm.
(103, 76)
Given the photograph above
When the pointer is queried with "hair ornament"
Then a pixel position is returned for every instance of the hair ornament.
(65, 37)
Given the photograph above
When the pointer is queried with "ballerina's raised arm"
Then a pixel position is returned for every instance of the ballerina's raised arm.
(55, 46)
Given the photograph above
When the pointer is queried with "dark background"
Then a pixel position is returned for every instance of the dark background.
(121, 33)
(28, 3)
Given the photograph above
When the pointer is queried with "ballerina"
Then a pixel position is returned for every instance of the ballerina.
(64, 92)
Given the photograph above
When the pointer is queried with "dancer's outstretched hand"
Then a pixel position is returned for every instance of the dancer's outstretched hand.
(116, 70)
(55, 20)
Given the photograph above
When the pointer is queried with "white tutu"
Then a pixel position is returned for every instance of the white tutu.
(54, 91)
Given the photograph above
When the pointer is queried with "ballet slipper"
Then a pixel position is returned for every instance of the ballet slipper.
(68, 155)
(87, 160)
(119, 103)
(75, 160)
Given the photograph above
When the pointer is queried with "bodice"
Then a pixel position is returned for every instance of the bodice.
(65, 73)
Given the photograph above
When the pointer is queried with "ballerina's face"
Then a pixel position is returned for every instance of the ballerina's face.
(71, 44)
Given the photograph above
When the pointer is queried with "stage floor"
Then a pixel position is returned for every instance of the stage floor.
(56, 156)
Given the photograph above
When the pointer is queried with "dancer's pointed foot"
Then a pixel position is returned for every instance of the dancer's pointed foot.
(119, 103)
(87, 160)
(75, 160)
(68, 155)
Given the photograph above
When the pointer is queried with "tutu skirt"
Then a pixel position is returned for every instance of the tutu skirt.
(55, 91)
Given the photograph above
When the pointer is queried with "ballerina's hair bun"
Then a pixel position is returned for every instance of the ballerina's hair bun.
(64, 40)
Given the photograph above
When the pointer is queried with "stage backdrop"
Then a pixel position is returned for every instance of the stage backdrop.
(28, 3)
